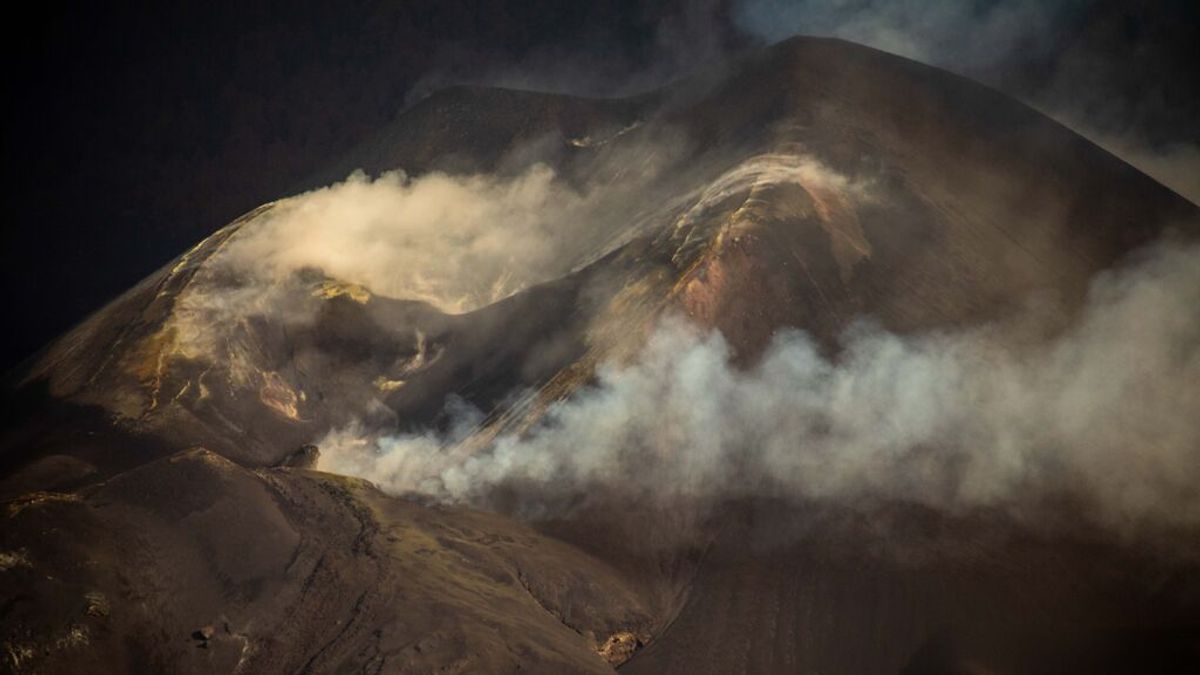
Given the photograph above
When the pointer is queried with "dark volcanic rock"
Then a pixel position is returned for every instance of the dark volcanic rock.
(308, 572)
(305, 457)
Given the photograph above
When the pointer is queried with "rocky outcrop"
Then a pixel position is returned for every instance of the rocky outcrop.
(305, 457)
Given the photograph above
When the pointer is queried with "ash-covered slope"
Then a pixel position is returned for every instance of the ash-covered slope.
(810, 186)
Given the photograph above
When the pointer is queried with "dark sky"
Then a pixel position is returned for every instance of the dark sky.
(131, 130)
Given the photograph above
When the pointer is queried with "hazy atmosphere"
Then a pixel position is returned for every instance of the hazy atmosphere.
(652, 338)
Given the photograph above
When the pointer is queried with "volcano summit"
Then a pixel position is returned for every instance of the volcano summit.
(829, 361)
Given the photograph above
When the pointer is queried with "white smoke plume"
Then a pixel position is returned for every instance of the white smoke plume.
(456, 242)
(1104, 414)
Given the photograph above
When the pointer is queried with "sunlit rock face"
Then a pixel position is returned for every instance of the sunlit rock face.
(533, 240)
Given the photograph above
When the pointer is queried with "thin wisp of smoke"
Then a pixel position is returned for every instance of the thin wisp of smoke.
(1103, 413)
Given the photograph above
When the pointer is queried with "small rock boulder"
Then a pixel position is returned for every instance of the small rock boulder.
(304, 458)
(202, 635)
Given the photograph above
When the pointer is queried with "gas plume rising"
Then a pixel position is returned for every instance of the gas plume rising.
(462, 242)
(1102, 413)
(455, 241)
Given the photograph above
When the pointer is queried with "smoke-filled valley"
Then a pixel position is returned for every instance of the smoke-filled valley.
(955, 419)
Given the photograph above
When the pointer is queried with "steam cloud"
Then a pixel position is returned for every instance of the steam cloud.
(1103, 413)
(454, 242)
(457, 242)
